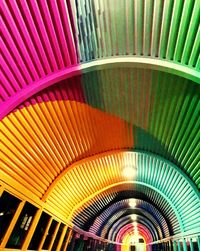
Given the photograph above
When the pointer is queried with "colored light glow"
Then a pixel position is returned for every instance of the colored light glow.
(128, 230)
(132, 203)
(129, 172)
(134, 239)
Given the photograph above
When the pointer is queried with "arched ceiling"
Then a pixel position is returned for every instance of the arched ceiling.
(100, 174)
(126, 220)
(43, 39)
(115, 81)
(128, 230)
(100, 225)
(141, 217)
(90, 212)
(160, 114)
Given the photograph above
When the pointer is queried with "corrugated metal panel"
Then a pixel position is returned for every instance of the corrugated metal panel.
(158, 116)
(51, 135)
(83, 116)
(103, 221)
(163, 109)
(150, 171)
(167, 30)
(104, 110)
(37, 40)
(38, 36)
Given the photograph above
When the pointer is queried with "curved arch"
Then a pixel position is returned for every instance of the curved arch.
(96, 156)
(129, 228)
(126, 192)
(144, 163)
(135, 62)
(127, 214)
(106, 220)
(78, 206)
(114, 208)
(112, 234)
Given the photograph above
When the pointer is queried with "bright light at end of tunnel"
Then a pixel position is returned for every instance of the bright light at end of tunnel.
(134, 239)
(129, 172)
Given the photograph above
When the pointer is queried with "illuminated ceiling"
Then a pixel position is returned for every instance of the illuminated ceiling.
(90, 88)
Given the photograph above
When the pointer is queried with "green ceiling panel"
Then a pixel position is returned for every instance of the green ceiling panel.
(163, 109)
(167, 30)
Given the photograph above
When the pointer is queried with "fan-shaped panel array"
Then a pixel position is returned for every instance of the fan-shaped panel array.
(100, 174)
(64, 143)
(42, 38)
(88, 213)
(168, 30)
(37, 40)
(100, 224)
(91, 114)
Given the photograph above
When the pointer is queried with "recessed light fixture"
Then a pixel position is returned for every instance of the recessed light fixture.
(129, 172)
(132, 203)
(134, 217)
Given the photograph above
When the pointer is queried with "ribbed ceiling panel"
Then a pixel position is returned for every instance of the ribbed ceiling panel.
(163, 109)
(168, 30)
(159, 112)
(40, 141)
(37, 40)
(44, 139)
(101, 222)
(150, 172)
(125, 191)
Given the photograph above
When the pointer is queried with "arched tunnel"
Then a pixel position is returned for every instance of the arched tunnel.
(100, 125)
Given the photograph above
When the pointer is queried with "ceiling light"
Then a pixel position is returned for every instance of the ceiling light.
(129, 172)
(132, 203)
(134, 217)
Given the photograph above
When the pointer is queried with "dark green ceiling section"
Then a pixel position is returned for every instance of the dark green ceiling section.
(163, 109)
